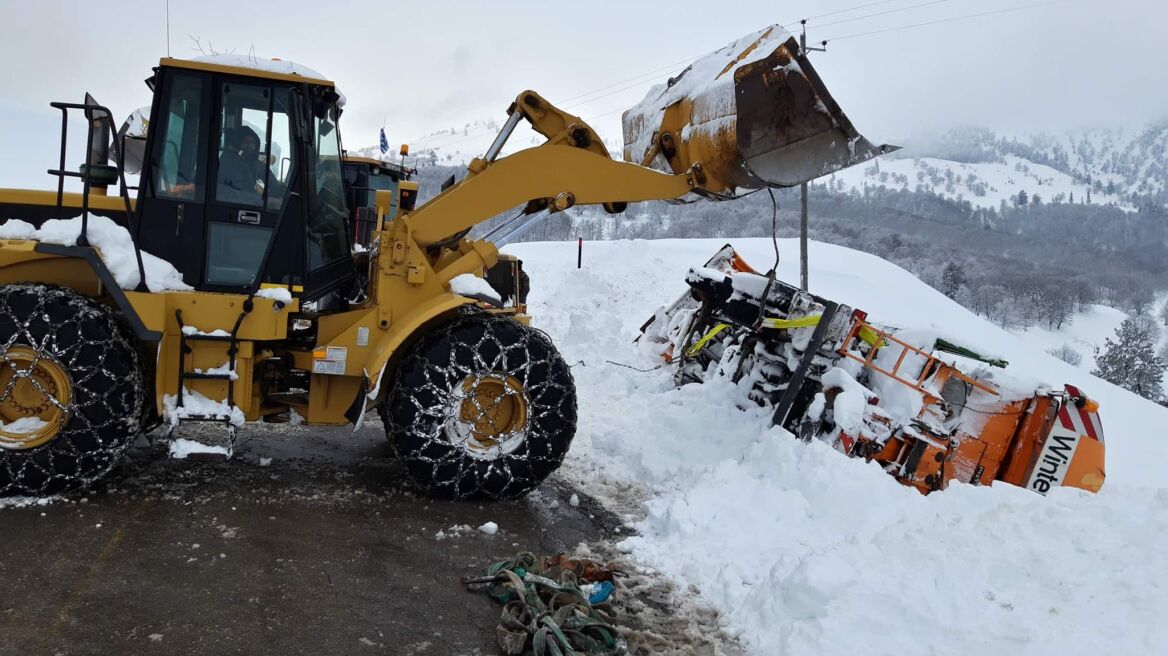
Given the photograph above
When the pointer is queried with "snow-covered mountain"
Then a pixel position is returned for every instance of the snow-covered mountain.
(1125, 167)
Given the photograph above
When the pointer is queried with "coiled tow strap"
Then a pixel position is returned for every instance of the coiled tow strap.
(548, 608)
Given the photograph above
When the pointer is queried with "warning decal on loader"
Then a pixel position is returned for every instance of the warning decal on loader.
(330, 360)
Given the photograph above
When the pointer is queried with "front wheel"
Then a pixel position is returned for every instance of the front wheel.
(483, 407)
(72, 391)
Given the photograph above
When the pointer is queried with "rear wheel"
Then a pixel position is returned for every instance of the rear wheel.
(483, 407)
(72, 391)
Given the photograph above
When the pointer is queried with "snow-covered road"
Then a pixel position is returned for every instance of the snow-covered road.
(807, 552)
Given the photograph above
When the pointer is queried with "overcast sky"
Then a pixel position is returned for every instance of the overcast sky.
(426, 66)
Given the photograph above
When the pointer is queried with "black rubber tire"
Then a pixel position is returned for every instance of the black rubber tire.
(108, 387)
(417, 409)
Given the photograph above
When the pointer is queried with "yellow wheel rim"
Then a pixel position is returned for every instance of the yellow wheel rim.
(35, 393)
(494, 409)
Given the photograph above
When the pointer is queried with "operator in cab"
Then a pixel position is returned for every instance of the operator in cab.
(241, 173)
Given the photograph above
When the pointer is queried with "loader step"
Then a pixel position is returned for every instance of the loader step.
(202, 337)
(205, 418)
(187, 375)
(288, 398)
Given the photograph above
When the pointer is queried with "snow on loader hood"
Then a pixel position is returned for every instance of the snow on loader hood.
(113, 243)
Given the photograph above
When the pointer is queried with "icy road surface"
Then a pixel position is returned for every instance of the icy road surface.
(308, 541)
(807, 552)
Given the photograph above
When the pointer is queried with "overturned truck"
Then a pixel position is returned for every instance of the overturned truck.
(928, 410)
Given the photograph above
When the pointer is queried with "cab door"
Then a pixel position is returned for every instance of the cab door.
(172, 192)
(253, 169)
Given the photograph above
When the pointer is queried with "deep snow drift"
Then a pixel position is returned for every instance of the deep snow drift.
(808, 552)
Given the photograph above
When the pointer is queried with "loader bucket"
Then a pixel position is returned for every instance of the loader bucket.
(750, 115)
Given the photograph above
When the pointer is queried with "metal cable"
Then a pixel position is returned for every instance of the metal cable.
(948, 20)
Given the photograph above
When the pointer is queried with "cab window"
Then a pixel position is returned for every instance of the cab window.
(255, 146)
(178, 173)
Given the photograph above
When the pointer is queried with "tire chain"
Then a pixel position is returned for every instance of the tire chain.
(437, 401)
(105, 408)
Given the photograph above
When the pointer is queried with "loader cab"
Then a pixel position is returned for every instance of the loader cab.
(364, 177)
(242, 182)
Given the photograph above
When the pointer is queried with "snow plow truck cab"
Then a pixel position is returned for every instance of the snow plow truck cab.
(215, 297)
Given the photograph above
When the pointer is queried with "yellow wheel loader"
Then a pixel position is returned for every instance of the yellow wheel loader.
(364, 177)
(225, 291)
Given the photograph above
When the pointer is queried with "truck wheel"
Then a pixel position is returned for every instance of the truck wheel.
(71, 390)
(483, 407)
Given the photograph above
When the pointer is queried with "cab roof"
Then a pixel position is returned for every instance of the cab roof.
(270, 69)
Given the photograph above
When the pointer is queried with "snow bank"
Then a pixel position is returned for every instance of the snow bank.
(113, 243)
(808, 552)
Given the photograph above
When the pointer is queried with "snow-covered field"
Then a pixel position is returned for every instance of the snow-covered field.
(1086, 330)
(808, 552)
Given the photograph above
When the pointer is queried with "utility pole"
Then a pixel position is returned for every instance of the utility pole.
(803, 237)
(803, 50)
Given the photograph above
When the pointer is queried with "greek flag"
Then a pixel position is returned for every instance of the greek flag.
(384, 142)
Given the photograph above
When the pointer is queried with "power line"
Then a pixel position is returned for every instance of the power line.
(569, 102)
(842, 11)
(471, 137)
(947, 20)
(885, 12)
(637, 81)
(485, 130)
(635, 77)
(671, 70)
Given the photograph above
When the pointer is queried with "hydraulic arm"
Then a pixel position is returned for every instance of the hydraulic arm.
(753, 114)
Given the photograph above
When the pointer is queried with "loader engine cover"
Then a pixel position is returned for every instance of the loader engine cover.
(749, 115)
